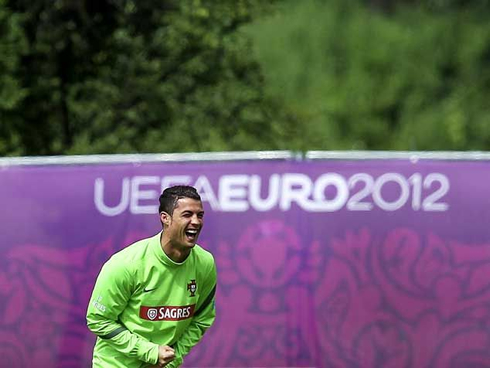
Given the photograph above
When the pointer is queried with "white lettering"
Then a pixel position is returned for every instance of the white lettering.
(137, 195)
(99, 198)
(97, 304)
(377, 191)
(232, 193)
(205, 190)
(321, 184)
(330, 192)
(295, 188)
(271, 200)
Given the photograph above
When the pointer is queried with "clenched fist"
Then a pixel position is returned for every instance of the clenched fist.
(165, 355)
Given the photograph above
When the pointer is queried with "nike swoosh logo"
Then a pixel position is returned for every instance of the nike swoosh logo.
(147, 290)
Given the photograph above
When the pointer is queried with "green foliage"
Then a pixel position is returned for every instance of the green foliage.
(184, 84)
(140, 76)
(354, 78)
(61, 37)
(119, 76)
(12, 45)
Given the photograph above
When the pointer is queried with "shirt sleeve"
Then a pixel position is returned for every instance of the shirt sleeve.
(201, 321)
(111, 293)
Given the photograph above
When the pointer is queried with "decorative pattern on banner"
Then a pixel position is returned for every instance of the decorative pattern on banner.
(320, 264)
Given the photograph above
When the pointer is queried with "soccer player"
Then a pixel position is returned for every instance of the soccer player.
(154, 300)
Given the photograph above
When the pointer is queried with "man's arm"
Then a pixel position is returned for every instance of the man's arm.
(201, 321)
(111, 293)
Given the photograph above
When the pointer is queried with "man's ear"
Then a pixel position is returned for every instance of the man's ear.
(165, 218)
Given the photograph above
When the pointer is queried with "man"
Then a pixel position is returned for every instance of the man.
(153, 300)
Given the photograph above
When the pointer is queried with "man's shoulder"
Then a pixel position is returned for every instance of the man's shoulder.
(134, 252)
(202, 254)
(206, 267)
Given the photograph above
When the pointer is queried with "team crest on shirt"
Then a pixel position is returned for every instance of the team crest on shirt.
(152, 314)
(192, 287)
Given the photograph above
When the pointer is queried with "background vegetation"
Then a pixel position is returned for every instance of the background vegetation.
(120, 76)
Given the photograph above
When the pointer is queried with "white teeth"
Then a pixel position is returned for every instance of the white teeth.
(194, 232)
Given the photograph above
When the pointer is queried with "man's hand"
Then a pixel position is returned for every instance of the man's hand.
(165, 355)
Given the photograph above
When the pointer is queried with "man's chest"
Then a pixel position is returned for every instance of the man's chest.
(167, 296)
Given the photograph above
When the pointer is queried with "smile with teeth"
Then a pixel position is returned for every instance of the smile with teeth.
(191, 233)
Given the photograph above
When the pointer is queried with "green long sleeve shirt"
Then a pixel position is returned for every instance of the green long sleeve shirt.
(143, 299)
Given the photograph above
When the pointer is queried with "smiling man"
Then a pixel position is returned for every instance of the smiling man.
(154, 300)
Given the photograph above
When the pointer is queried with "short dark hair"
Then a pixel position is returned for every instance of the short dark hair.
(170, 196)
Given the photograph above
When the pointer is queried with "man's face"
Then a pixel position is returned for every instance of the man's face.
(185, 224)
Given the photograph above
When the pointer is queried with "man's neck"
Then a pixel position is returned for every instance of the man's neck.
(176, 254)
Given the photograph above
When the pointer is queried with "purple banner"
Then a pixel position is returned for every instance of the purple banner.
(376, 263)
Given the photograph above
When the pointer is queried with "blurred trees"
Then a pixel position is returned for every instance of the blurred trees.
(89, 76)
(12, 46)
(416, 78)
(104, 76)
(176, 78)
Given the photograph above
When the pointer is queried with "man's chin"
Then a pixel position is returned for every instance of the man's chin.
(190, 244)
